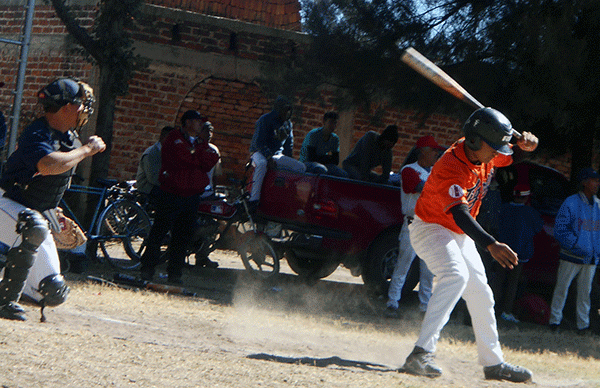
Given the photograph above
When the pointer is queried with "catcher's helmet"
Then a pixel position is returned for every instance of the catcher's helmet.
(490, 126)
(65, 91)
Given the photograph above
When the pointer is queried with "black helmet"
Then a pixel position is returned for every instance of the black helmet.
(492, 127)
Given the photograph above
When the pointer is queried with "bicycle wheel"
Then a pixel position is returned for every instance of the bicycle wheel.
(259, 256)
(121, 230)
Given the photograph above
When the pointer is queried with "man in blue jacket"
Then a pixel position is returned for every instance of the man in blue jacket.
(272, 145)
(577, 229)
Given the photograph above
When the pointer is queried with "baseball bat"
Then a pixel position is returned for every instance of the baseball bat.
(433, 73)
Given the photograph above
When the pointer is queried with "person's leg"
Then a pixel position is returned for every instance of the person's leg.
(480, 302)
(334, 170)
(352, 171)
(167, 208)
(584, 288)
(566, 272)
(315, 168)
(439, 249)
(405, 258)
(260, 169)
(425, 286)
(289, 164)
(181, 235)
(47, 264)
(510, 292)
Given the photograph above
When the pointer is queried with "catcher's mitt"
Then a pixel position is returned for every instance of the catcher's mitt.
(70, 236)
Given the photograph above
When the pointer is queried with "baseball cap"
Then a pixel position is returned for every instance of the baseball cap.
(522, 190)
(428, 141)
(192, 115)
(60, 92)
(587, 173)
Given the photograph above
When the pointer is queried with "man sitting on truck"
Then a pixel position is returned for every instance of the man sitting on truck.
(272, 145)
(320, 150)
(372, 150)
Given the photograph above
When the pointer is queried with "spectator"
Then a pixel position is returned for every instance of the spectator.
(577, 229)
(518, 224)
(186, 160)
(217, 170)
(149, 166)
(320, 150)
(272, 146)
(35, 178)
(413, 177)
(372, 150)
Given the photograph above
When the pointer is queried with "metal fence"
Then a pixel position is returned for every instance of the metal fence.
(18, 37)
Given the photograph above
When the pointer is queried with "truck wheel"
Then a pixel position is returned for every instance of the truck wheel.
(309, 268)
(379, 265)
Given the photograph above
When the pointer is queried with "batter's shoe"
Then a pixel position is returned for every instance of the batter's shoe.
(508, 372)
(392, 313)
(12, 311)
(420, 362)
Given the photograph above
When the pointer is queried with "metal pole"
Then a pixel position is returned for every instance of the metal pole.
(16, 111)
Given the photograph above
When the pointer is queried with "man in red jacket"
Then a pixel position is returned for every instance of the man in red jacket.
(186, 160)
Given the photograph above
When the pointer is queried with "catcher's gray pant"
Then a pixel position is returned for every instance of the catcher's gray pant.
(567, 271)
(47, 262)
(406, 255)
(453, 258)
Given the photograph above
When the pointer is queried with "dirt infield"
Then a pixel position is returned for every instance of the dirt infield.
(241, 333)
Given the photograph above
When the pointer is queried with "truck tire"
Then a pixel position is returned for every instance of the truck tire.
(311, 269)
(379, 265)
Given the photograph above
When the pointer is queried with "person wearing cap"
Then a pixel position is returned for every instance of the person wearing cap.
(444, 234)
(518, 223)
(577, 230)
(33, 182)
(272, 146)
(372, 150)
(321, 148)
(186, 160)
(413, 177)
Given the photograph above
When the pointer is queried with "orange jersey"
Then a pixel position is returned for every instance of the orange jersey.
(455, 180)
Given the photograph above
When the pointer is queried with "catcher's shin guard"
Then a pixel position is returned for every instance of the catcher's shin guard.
(33, 228)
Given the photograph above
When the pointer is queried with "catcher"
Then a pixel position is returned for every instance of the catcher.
(35, 177)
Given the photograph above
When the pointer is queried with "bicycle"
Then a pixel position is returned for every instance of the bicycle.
(119, 224)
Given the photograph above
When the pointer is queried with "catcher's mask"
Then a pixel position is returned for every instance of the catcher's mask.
(65, 91)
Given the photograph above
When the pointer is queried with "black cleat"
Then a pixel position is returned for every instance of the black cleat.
(420, 362)
(13, 311)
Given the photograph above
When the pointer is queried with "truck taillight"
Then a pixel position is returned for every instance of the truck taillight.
(325, 209)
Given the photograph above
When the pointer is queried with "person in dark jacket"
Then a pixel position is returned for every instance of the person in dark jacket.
(372, 150)
(272, 146)
(186, 160)
(577, 229)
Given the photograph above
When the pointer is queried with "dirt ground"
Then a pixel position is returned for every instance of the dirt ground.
(238, 332)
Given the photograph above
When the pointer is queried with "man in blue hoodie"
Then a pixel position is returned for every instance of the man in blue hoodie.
(272, 146)
(577, 229)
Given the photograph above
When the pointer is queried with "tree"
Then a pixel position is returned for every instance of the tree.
(536, 61)
(109, 46)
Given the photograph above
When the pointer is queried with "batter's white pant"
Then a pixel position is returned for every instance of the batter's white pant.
(47, 262)
(455, 262)
(260, 169)
(406, 255)
(567, 271)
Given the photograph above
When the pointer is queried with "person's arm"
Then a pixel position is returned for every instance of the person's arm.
(288, 145)
(386, 166)
(58, 162)
(411, 181)
(501, 252)
(151, 165)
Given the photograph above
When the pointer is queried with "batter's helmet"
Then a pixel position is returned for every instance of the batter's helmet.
(490, 126)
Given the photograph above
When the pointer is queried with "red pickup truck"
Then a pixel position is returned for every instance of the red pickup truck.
(328, 221)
